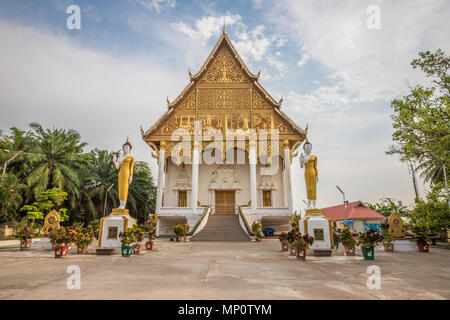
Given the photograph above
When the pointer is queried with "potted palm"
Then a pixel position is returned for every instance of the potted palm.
(25, 235)
(138, 238)
(283, 241)
(421, 240)
(83, 238)
(127, 240)
(60, 239)
(179, 231)
(300, 246)
(368, 241)
(348, 241)
(388, 241)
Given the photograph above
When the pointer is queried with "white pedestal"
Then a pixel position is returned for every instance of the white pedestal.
(405, 246)
(111, 226)
(316, 225)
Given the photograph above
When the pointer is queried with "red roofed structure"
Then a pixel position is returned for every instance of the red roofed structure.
(356, 215)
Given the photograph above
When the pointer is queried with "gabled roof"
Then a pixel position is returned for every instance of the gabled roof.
(354, 210)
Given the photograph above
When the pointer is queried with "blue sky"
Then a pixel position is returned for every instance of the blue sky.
(334, 73)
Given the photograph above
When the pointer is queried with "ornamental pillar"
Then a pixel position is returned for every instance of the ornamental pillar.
(287, 175)
(252, 161)
(195, 161)
(161, 176)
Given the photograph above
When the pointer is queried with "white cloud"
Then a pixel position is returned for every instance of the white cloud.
(206, 27)
(303, 60)
(157, 5)
(372, 64)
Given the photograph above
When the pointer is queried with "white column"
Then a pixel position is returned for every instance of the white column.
(252, 161)
(161, 176)
(194, 193)
(287, 175)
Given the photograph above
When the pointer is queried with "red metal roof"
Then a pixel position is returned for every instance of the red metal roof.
(354, 210)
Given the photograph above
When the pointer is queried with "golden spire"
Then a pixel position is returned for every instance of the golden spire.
(306, 133)
(224, 31)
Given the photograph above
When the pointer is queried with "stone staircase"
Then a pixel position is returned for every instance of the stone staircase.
(222, 228)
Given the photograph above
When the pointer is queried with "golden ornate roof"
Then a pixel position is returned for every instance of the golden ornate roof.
(223, 94)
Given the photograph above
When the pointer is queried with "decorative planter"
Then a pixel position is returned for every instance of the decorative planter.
(24, 244)
(291, 250)
(149, 245)
(349, 250)
(368, 253)
(137, 248)
(388, 246)
(179, 238)
(60, 251)
(82, 250)
(284, 246)
(301, 253)
(126, 251)
(258, 239)
(423, 247)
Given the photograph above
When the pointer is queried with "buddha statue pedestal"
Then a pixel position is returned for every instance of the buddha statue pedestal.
(316, 225)
(111, 226)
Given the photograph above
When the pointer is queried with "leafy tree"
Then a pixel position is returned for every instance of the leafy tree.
(421, 119)
(387, 206)
(432, 215)
(11, 191)
(142, 192)
(50, 199)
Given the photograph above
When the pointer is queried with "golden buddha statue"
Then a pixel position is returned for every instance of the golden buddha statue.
(311, 173)
(125, 166)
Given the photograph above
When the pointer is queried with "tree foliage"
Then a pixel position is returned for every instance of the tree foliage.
(387, 206)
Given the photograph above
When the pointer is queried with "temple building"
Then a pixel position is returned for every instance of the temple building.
(224, 100)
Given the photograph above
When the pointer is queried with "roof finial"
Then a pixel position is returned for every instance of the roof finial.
(224, 31)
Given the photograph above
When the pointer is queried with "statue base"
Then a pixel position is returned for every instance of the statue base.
(111, 226)
(316, 225)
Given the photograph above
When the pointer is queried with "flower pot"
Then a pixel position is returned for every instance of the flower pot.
(284, 246)
(179, 238)
(137, 248)
(24, 244)
(388, 246)
(82, 249)
(126, 251)
(149, 245)
(368, 253)
(423, 247)
(60, 251)
(258, 239)
(301, 253)
(349, 250)
(291, 250)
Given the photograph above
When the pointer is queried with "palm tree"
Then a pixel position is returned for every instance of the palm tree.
(55, 161)
(104, 179)
(142, 192)
(17, 142)
(11, 199)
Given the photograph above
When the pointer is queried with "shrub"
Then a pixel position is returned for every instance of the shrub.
(370, 238)
(347, 238)
(127, 237)
(300, 244)
(179, 230)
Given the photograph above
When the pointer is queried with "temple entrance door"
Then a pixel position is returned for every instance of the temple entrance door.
(225, 202)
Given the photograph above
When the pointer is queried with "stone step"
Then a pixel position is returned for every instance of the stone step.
(222, 228)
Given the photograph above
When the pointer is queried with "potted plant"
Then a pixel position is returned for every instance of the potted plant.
(60, 239)
(179, 231)
(83, 238)
(127, 240)
(257, 230)
(348, 241)
(368, 241)
(25, 235)
(283, 241)
(421, 240)
(151, 229)
(336, 239)
(300, 248)
(388, 241)
(308, 239)
(138, 237)
(292, 236)
(186, 230)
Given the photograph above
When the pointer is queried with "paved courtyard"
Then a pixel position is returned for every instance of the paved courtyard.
(219, 270)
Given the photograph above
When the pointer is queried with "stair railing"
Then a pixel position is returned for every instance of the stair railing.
(201, 222)
(244, 224)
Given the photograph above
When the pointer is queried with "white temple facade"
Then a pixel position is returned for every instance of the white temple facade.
(226, 99)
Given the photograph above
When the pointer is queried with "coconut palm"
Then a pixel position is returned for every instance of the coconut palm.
(142, 192)
(11, 190)
(55, 161)
(19, 143)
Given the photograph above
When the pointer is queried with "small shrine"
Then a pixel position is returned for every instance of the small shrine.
(51, 222)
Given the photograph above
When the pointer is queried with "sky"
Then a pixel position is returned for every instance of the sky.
(335, 71)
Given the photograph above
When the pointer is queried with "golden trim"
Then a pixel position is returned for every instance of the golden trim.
(118, 212)
(314, 212)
